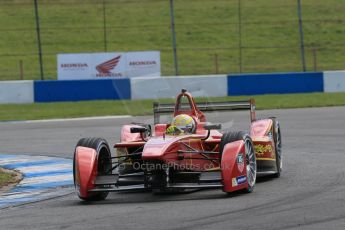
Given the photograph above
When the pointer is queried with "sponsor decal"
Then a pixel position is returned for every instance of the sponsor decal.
(234, 182)
(108, 65)
(73, 65)
(240, 158)
(264, 150)
(240, 162)
(270, 136)
(241, 180)
(104, 69)
(142, 63)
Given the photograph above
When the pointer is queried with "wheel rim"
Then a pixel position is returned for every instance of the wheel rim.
(279, 148)
(251, 163)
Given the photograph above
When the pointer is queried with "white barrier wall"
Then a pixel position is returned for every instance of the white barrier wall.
(154, 87)
(334, 81)
(16, 92)
(169, 87)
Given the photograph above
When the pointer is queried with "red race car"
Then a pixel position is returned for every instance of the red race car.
(188, 153)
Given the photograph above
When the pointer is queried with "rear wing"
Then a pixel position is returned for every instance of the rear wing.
(161, 108)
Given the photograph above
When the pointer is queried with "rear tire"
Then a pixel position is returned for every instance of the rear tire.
(278, 148)
(229, 137)
(251, 167)
(103, 160)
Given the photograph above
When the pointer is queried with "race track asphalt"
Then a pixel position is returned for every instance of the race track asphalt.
(309, 195)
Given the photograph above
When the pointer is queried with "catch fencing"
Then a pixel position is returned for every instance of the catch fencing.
(194, 37)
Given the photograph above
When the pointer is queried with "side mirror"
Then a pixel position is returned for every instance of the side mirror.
(210, 126)
(138, 130)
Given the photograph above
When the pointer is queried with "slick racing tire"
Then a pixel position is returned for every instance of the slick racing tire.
(104, 163)
(251, 167)
(277, 137)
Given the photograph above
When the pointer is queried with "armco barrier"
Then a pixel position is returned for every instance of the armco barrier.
(334, 81)
(168, 87)
(79, 90)
(16, 92)
(276, 83)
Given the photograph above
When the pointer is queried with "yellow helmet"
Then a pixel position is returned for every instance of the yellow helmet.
(184, 122)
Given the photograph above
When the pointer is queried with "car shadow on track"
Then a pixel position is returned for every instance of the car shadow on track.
(150, 197)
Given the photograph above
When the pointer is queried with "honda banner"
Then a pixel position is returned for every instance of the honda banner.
(108, 65)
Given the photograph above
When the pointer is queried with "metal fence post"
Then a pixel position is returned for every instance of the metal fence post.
(299, 8)
(240, 36)
(172, 19)
(315, 58)
(21, 70)
(104, 28)
(39, 40)
(216, 63)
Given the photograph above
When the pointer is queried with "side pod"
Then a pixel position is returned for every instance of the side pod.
(233, 166)
(85, 170)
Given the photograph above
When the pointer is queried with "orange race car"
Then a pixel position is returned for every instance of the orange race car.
(188, 153)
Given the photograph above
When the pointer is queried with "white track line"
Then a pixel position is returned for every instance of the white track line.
(46, 179)
(71, 119)
(42, 168)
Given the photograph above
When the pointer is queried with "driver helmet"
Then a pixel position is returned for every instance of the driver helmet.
(184, 122)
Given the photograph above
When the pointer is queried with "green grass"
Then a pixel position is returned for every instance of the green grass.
(6, 178)
(144, 107)
(204, 28)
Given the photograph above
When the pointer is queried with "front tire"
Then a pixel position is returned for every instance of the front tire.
(251, 166)
(103, 163)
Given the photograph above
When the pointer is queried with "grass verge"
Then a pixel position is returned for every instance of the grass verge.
(7, 177)
(144, 107)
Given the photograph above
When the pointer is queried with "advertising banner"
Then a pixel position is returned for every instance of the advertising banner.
(108, 65)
